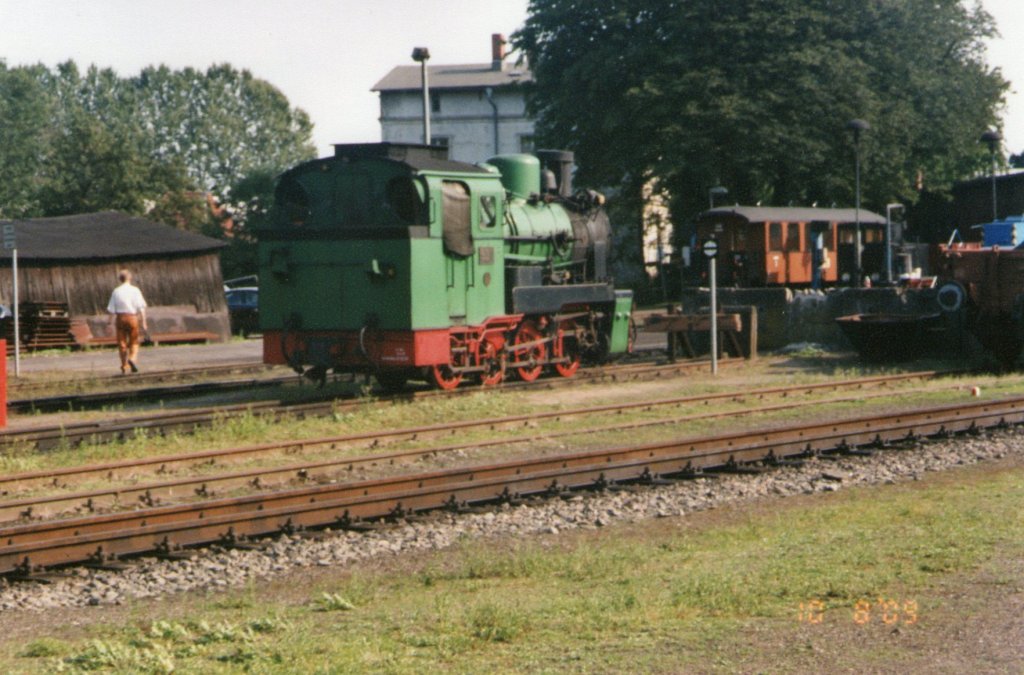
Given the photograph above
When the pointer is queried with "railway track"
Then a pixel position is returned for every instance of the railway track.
(375, 439)
(28, 388)
(165, 529)
(135, 493)
(185, 421)
(68, 402)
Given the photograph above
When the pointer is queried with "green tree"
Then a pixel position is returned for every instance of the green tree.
(154, 144)
(223, 124)
(25, 109)
(248, 210)
(755, 94)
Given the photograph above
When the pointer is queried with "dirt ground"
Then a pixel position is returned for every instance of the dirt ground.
(102, 361)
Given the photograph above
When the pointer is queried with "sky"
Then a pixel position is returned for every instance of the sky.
(326, 55)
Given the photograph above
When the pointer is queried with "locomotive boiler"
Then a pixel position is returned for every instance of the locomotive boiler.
(393, 260)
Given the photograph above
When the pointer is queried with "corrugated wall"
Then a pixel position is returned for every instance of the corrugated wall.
(86, 287)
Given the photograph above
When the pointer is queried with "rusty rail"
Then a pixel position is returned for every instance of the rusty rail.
(166, 463)
(153, 493)
(185, 421)
(105, 537)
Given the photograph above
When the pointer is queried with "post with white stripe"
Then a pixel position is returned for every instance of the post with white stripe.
(11, 244)
(710, 248)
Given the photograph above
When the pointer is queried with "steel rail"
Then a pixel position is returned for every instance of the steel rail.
(208, 486)
(161, 464)
(93, 399)
(98, 538)
(22, 386)
(184, 421)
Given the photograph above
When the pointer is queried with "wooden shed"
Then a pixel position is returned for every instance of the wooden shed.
(75, 260)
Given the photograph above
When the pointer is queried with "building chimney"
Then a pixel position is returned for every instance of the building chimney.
(497, 50)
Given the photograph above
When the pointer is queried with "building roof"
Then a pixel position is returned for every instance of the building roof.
(466, 76)
(108, 235)
(792, 214)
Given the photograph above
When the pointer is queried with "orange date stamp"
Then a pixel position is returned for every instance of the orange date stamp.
(884, 610)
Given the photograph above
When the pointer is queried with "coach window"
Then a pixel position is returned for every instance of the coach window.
(774, 236)
(455, 223)
(488, 212)
(793, 236)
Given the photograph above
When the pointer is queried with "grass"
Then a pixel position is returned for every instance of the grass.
(668, 595)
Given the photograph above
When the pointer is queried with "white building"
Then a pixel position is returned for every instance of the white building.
(477, 110)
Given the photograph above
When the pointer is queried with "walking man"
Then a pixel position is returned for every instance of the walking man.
(127, 308)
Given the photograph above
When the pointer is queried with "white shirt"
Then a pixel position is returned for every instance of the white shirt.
(126, 299)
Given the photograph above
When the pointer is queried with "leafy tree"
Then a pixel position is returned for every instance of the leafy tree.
(155, 144)
(248, 210)
(96, 158)
(224, 124)
(25, 110)
(755, 94)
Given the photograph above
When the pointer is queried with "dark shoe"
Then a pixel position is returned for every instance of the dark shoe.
(135, 368)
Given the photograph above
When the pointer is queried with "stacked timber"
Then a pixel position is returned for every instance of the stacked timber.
(43, 325)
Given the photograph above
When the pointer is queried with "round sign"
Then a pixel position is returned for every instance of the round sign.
(710, 248)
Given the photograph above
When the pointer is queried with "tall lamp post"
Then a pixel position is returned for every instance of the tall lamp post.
(992, 138)
(717, 191)
(857, 126)
(421, 55)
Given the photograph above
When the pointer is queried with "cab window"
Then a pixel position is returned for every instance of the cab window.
(488, 212)
(455, 214)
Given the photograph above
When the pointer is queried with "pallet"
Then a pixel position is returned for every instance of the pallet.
(43, 325)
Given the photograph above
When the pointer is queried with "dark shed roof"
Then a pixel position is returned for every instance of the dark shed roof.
(789, 214)
(103, 236)
(466, 76)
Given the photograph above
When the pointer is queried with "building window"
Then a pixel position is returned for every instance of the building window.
(441, 141)
(435, 102)
(526, 143)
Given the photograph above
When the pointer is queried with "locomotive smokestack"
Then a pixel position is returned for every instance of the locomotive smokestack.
(560, 163)
(497, 51)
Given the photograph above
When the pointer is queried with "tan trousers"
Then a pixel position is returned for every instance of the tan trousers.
(127, 338)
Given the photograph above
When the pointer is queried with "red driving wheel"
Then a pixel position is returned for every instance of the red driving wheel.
(443, 376)
(566, 346)
(493, 359)
(534, 355)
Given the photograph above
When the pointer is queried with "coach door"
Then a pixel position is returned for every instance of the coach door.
(457, 235)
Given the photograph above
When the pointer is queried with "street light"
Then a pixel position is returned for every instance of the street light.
(717, 191)
(857, 126)
(992, 138)
(421, 55)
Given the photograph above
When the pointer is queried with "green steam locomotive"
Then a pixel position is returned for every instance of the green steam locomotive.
(394, 260)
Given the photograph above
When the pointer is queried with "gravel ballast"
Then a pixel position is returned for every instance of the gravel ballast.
(216, 568)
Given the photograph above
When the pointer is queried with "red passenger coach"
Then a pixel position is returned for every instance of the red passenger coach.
(786, 246)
